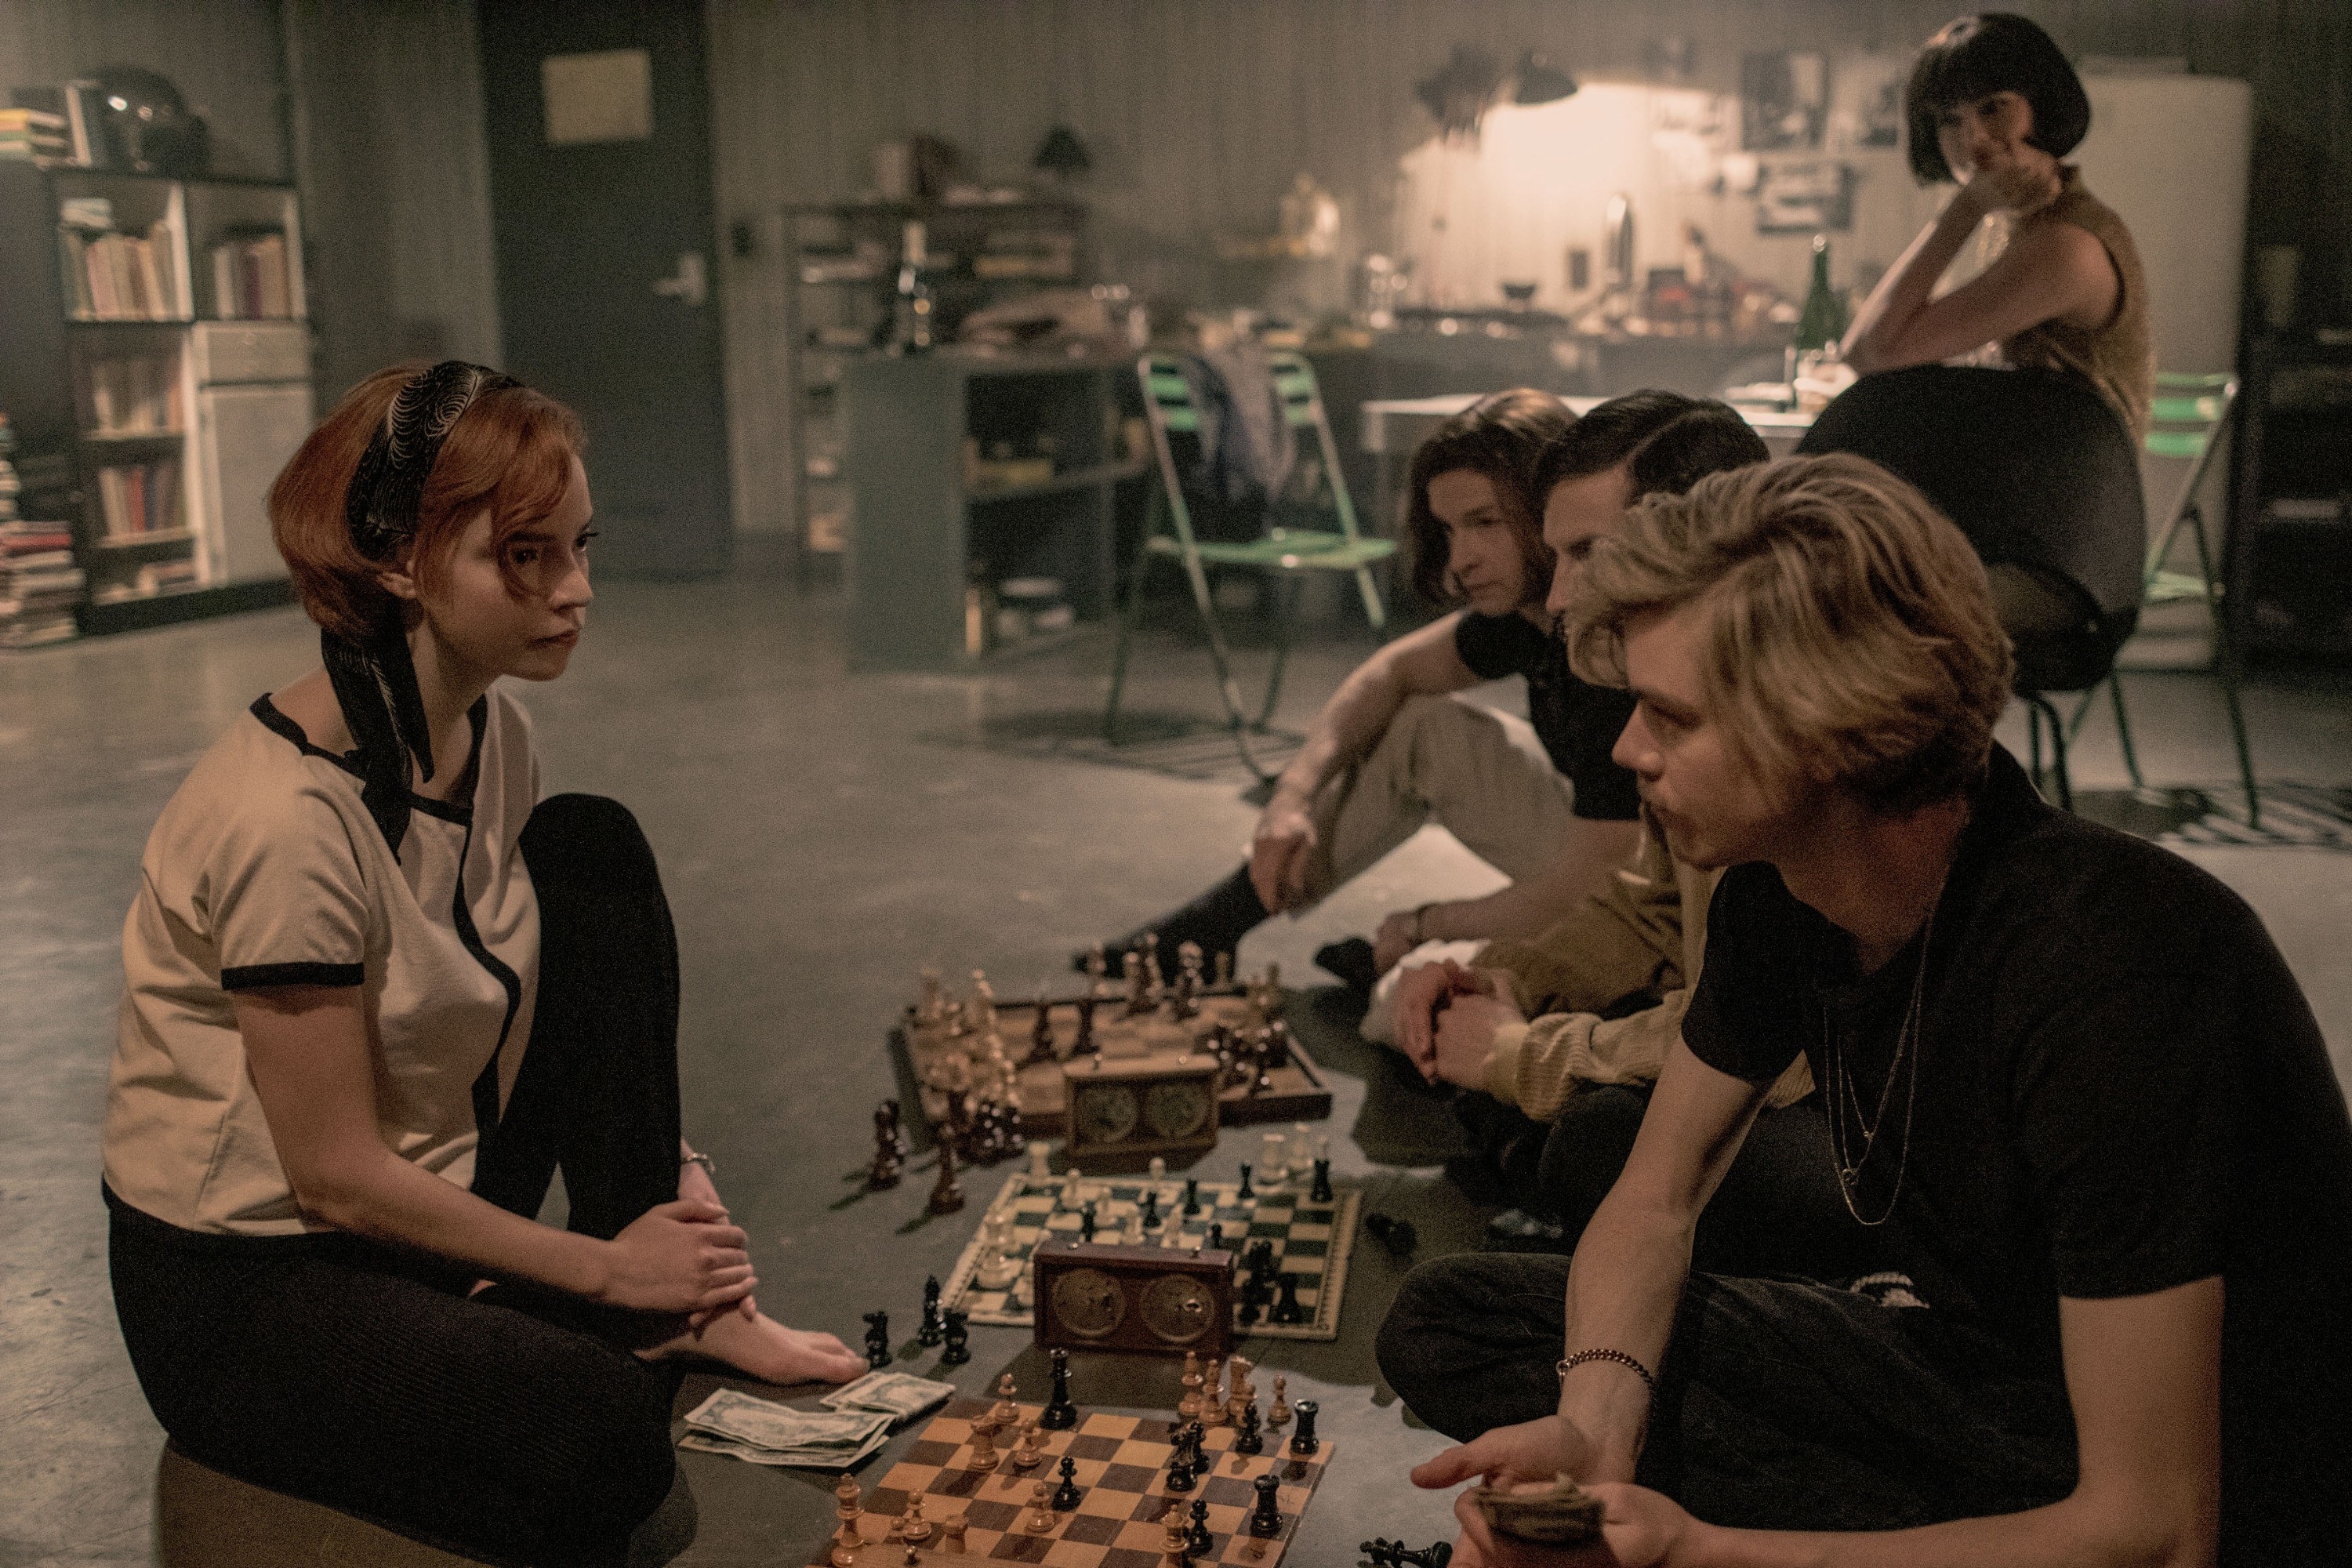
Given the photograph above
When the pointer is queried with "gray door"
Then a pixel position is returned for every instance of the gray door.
(598, 124)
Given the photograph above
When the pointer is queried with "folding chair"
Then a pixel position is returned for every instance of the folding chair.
(1280, 552)
(2187, 412)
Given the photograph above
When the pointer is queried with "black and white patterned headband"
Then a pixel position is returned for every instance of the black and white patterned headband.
(374, 679)
(389, 486)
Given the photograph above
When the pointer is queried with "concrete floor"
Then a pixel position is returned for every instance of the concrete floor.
(820, 836)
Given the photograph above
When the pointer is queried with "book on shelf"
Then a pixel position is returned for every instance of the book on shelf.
(118, 276)
(131, 395)
(250, 278)
(39, 583)
(140, 497)
(33, 134)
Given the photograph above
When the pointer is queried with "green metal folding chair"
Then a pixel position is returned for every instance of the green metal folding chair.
(1281, 552)
(2186, 416)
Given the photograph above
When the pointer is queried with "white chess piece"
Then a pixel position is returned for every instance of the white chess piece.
(1157, 1171)
(1273, 1160)
(1041, 1167)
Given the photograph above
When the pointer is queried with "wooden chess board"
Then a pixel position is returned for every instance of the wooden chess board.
(1297, 1092)
(1311, 1240)
(1121, 1467)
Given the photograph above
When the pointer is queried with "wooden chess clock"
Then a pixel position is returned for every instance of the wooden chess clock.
(1097, 1296)
(1122, 1113)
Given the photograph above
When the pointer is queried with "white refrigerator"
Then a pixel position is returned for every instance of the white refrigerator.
(254, 408)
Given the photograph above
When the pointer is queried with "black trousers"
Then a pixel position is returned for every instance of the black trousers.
(1783, 1404)
(513, 1423)
(1778, 1210)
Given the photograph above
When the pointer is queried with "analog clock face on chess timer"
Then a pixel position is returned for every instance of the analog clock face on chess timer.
(1177, 1108)
(1088, 1303)
(1107, 1114)
(1176, 1309)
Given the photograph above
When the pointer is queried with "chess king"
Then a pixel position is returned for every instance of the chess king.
(2071, 1067)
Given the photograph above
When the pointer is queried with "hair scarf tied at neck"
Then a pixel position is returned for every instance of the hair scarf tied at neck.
(375, 677)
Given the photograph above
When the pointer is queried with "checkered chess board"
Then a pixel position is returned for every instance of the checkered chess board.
(1121, 1519)
(1311, 1241)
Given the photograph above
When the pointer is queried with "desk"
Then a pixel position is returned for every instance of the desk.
(1394, 426)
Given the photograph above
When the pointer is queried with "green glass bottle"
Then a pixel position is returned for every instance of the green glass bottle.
(1823, 323)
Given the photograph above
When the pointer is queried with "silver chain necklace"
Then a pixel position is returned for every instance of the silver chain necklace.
(1845, 1100)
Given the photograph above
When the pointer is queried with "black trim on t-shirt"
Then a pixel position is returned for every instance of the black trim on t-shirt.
(253, 976)
(278, 723)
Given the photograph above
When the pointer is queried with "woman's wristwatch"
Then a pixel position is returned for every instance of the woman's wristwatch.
(709, 1166)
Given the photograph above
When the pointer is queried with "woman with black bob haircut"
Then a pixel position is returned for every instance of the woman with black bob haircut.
(1994, 106)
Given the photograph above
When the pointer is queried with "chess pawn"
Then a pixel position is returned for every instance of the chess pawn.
(1175, 1542)
(1041, 1031)
(984, 1447)
(913, 1528)
(1273, 1160)
(1131, 972)
(1007, 1408)
(1041, 1516)
(1029, 1452)
(1246, 1438)
(1277, 1415)
(1083, 1046)
(1239, 1392)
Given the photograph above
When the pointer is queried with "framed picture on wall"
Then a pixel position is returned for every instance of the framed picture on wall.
(1811, 196)
(1783, 100)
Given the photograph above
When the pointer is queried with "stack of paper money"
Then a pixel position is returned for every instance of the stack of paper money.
(761, 1432)
(894, 1393)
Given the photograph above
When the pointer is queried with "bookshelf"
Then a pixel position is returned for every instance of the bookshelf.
(842, 263)
(155, 363)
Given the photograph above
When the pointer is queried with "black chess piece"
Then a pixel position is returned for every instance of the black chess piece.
(1151, 1208)
(1261, 1260)
(1287, 1310)
(957, 1333)
(1215, 1240)
(1321, 1193)
(1192, 1196)
(1197, 1539)
(1085, 1044)
(947, 1193)
(1397, 1235)
(1195, 1441)
(887, 1156)
(1265, 1518)
(1180, 1470)
(1066, 1496)
(1248, 1438)
(1041, 1033)
(877, 1340)
(1086, 1223)
(1247, 1193)
(1386, 1553)
(1059, 1415)
(1304, 1444)
(1249, 1308)
(933, 1328)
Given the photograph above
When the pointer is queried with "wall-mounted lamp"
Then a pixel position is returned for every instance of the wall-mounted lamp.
(1540, 81)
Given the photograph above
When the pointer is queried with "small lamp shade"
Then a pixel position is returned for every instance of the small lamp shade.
(1540, 81)
(1062, 153)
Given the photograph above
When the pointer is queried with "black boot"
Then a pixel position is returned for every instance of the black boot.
(1217, 920)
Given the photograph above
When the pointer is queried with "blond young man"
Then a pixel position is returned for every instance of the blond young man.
(2073, 1066)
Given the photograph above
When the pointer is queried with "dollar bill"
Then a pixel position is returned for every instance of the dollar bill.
(779, 1429)
(895, 1393)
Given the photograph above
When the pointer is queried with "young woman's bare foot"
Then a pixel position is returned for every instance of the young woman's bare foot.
(765, 1349)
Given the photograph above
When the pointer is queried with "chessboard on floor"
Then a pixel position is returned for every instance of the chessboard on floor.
(1120, 1518)
(952, 1046)
(1310, 1241)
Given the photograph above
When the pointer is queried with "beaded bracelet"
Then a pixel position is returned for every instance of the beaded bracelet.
(1570, 1363)
(709, 1166)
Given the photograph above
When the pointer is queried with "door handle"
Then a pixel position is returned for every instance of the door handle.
(692, 284)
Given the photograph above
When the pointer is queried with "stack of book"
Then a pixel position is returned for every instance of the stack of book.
(132, 395)
(39, 583)
(33, 133)
(249, 277)
(117, 277)
(140, 498)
